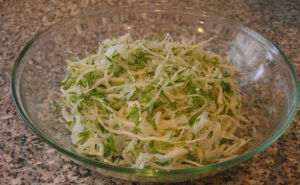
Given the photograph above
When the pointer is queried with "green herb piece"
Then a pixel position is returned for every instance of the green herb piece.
(107, 151)
(68, 82)
(151, 145)
(144, 98)
(179, 79)
(95, 93)
(223, 141)
(230, 113)
(202, 92)
(163, 95)
(134, 113)
(67, 123)
(111, 142)
(84, 133)
(109, 147)
(214, 61)
(157, 104)
(224, 74)
(194, 136)
(109, 59)
(164, 145)
(56, 106)
(194, 119)
(120, 71)
(140, 56)
(227, 88)
(115, 54)
(190, 87)
(149, 88)
(152, 123)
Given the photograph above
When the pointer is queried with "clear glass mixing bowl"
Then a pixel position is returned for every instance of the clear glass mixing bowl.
(270, 91)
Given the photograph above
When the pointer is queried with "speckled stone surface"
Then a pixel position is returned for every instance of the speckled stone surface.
(25, 159)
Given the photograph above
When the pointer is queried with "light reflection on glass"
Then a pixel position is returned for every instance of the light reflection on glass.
(269, 56)
(200, 30)
(259, 72)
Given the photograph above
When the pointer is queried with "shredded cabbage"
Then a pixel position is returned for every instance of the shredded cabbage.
(153, 103)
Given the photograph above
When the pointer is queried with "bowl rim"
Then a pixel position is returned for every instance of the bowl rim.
(150, 172)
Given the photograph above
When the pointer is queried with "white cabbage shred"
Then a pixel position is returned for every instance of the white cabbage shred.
(153, 103)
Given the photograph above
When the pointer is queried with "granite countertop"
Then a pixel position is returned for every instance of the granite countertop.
(25, 159)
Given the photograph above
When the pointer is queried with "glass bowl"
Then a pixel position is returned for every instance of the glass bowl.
(270, 91)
